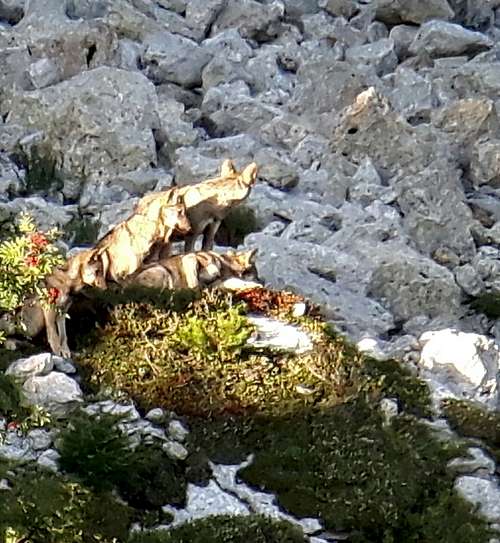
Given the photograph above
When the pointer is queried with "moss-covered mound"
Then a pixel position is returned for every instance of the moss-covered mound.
(474, 421)
(195, 362)
(42, 507)
(227, 529)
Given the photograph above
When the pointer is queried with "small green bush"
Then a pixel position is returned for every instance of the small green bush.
(42, 507)
(226, 529)
(10, 399)
(25, 261)
(95, 449)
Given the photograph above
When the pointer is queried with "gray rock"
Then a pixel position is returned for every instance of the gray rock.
(476, 462)
(276, 168)
(156, 415)
(192, 167)
(296, 8)
(468, 279)
(325, 86)
(12, 11)
(443, 39)
(231, 110)
(177, 431)
(415, 286)
(380, 55)
(229, 45)
(402, 36)
(201, 14)
(40, 438)
(38, 364)
(175, 450)
(49, 460)
(485, 163)
(42, 73)
(45, 213)
(89, 107)
(339, 8)
(174, 58)
(413, 95)
(370, 128)
(483, 493)
(15, 448)
(55, 392)
(252, 19)
(129, 54)
(412, 11)
(435, 212)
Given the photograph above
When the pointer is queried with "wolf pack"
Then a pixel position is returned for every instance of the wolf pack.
(137, 251)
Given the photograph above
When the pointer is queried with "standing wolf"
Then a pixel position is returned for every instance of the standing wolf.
(207, 203)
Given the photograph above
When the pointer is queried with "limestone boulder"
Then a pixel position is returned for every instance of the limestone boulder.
(412, 11)
(174, 58)
(485, 163)
(483, 493)
(254, 20)
(444, 39)
(96, 123)
(380, 55)
(55, 392)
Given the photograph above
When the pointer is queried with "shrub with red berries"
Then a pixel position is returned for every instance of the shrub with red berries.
(25, 260)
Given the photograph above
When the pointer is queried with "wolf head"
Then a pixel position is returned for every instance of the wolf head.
(175, 216)
(248, 176)
(242, 261)
(85, 268)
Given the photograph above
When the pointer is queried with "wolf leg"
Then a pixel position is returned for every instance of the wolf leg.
(209, 235)
(50, 317)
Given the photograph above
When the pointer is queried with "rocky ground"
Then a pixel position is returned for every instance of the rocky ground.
(374, 124)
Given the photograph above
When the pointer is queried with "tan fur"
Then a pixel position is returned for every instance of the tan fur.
(192, 270)
(122, 251)
(207, 203)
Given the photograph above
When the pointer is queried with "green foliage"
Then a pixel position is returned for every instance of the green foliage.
(238, 223)
(95, 449)
(487, 303)
(226, 529)
(41, 170)
(473, 420)
(24, 262)
(378, 482)
(42, 507)
(81, 231)
(10, 399)
(99, 454)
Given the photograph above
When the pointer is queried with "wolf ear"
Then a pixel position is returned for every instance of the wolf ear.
(251, 254)
(249, 174)
(227, 168)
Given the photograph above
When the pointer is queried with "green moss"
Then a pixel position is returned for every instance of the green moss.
(227, 529)
(375, 481)
(472, 420)
(42, 507)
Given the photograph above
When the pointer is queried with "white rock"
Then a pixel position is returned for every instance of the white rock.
(370, 346)
(63, 365)
(49, 459)
(38, 364)
(274, 334)
(156, 415)
(482, 492)
(40, 439)
(477, 460)
(473, 356)
(175, 450)
(206, 501)
(177, 431)
(55, 391)
(389, 408)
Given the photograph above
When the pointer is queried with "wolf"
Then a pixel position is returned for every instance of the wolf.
(122, 250)
(35, 314)
(192, 270)
(207, 204)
